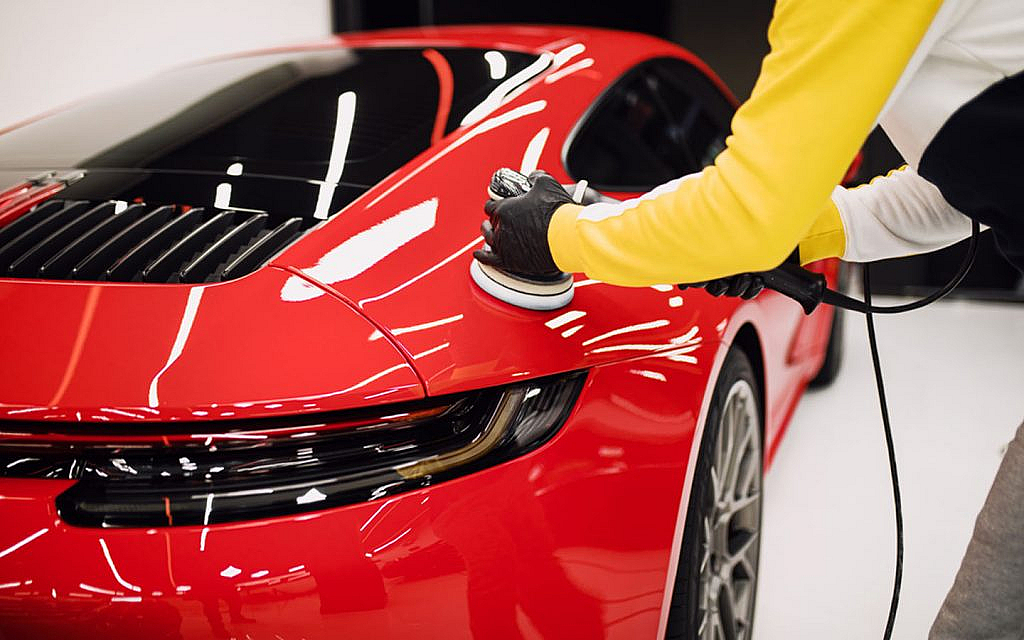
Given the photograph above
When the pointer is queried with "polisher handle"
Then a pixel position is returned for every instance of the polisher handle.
(793, 281)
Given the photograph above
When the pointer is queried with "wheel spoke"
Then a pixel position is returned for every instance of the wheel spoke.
(737, 506)
(748, 543)
(730, 526)
(738, 454)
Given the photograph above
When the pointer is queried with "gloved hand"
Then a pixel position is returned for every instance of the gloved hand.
(742, 285)
(517, 228)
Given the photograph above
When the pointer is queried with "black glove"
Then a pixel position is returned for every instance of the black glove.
(742, 285)
(517, 230)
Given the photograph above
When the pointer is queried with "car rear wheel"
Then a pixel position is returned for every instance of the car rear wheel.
(716, 581)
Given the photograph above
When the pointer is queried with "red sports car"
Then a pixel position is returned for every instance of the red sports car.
(248, 388)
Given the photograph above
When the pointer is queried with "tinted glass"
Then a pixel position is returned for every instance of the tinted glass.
(662, 120)
(279, 114)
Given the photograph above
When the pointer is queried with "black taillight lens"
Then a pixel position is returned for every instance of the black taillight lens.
(211, 472)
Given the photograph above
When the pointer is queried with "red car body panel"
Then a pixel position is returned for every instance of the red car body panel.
(576, 539)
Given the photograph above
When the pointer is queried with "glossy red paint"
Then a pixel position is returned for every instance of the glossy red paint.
(231, 350)
(576, 539)
(587, 522)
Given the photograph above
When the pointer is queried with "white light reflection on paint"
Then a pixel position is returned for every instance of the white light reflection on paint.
(506, 90)
(17, 545)
(568, 53)
(571, 331)
(89, 587)
(117, 576)
(555, 76)
(564, 319)
(311, 496)
(392, 541)
(375, 514)
(230, 571)
(119, 206)
(119, 412)
(664, 288)
(485, 126)
(630, 329)
(476, 241)
(687, 337)
(531, 157)
(339, 151)
(377, 335)
(497, 63)
(206, 522)
(428, 352)
(585, 283)
(195, 294)
(675, 302)
(234, 169)
(363, 250)
(650, 375)
(630, 347)
(222, 198)
(27, 410)
(376, 376)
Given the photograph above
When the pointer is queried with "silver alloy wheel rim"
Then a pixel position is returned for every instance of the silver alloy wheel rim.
(732, 526)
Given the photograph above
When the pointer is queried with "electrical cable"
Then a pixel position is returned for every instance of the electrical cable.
(837, 299)
(868, 309)
(891, 449)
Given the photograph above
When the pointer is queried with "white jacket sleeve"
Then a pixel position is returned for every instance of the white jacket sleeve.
(897, 215)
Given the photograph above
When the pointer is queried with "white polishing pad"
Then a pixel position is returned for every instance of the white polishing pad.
(526, 294)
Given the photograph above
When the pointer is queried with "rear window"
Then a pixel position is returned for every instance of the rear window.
(284, 114)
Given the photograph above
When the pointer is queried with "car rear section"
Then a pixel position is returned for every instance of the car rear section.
(247, 388)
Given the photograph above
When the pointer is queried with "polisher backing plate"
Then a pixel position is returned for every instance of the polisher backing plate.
(536, 295)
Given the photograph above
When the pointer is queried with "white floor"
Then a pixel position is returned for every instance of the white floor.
(954, 377)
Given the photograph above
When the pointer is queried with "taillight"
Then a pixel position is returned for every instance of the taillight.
(210, 472)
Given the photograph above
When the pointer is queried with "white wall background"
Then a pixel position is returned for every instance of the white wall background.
(57, 51)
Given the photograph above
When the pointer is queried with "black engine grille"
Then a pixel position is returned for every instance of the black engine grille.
(88, 240)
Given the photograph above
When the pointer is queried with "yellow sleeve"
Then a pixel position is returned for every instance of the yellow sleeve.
(831, 68)
(826, 237)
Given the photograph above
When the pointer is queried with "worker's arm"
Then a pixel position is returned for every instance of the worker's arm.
(897, 215)
(831, 68)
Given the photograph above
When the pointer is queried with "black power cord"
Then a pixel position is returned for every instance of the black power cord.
(868, 309)
(897, 500)
(837, 299)
(809, 290)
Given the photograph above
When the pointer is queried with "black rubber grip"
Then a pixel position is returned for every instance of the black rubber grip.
(792, 281)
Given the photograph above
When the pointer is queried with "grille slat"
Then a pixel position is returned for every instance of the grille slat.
(59, 266)
(25, 222)
(90, 240)
(44, 225)
(264, 248)
(209, 261)
(156, 243)
(168, 265)
(29, 264)
(104, 256)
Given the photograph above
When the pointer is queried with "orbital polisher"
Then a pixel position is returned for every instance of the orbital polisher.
(548, 293)
(537, 293)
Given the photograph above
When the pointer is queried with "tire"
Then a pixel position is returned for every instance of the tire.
(715, 588)
(833, 353)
